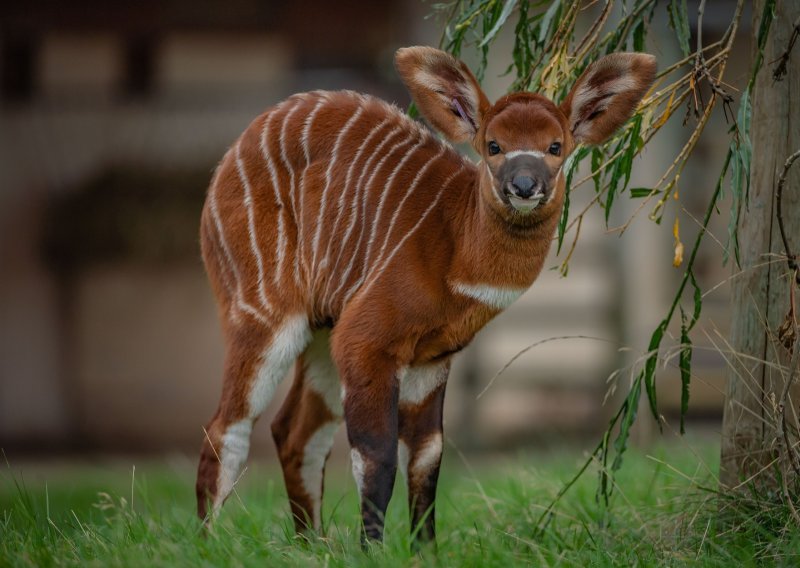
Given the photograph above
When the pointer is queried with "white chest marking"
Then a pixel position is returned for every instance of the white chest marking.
(498, 297)
(417, 383)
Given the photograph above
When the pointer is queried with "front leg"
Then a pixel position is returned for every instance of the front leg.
(420, 449)
(370, 412)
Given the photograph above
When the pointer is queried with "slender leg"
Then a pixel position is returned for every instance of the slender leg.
(420, 446)
(256, 360)
(370, 411)
(304, 428)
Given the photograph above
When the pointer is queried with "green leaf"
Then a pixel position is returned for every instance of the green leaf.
(679, 21)
(501, 20)
(570, 166)
(639, 192)
(544, 27)
(685, 364)
(630, 407)
(650, 369)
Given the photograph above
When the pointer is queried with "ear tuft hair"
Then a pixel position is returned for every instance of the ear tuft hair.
(444, 90)
(606, 95)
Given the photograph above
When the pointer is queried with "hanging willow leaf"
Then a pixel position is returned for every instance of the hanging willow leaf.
(649, 371)
(679, 21)
(638, 192)
(508, 7)
(685, 364)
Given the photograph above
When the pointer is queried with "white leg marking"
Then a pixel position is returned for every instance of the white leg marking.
(251, 227)
(323, 201)
(292, 199)
(417, 383)
(402, 458)
(379, 271)
(287, 344)
(321, 374)
(358, 470)
(498, 297)
(234, 447)
(399, 207)
(240, 301)
(280, 252)
(386, 190)
(365, 194)
(314, 454)
(427, 457)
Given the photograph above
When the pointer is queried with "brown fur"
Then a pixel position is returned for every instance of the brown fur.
(322, 209)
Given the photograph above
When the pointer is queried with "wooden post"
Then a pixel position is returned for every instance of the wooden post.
(751, 434)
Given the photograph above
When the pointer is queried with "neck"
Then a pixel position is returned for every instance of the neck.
(497, 247)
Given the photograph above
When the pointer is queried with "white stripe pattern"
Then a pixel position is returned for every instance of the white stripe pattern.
(498, 297)
(343, 193)
(292, 200)
(280, 252)
(408, 235)
(354, 210)
(399, 207)
(386, 191)
(251, 226)
(331, 162)
(239, 296)
(308, 123)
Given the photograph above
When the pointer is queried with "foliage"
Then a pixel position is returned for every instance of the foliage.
(105, 515)
(547, 57)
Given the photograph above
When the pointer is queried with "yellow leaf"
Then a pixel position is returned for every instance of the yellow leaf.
(677, 260)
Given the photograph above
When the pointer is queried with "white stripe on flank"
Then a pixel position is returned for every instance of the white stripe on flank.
(302, 185)
(251, 226)
(324, 199)
(280, 251)
(499, 297)
(307, 127)
(292, 200)
(515, 153)
(354, 208)
(226, 276)
(343, 193)
(399, 207)
(413, 230)
(240, 302)
(386, 190)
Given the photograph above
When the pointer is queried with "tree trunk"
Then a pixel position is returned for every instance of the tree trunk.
(752, 440)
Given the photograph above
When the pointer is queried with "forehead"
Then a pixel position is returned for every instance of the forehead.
(526, 117)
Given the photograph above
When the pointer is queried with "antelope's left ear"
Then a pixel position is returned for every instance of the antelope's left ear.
(606, 95)
(444, 90)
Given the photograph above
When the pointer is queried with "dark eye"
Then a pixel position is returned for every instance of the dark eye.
(494, 148)
(555, 148)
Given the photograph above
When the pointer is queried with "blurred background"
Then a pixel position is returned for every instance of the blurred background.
(112, 117)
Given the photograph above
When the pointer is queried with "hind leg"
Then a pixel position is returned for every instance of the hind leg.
(257, 359)
(304, 428)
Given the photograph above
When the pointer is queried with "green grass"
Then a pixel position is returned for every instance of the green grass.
(486, 516)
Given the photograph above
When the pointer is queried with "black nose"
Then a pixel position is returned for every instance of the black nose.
(524, 186)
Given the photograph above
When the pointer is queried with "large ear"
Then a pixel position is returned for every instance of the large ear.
(444, 90)
(606, 95)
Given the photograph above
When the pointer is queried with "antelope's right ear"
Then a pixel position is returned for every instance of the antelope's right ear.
(444, 90)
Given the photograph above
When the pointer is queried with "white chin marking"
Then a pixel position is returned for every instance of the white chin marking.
(525, 205)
